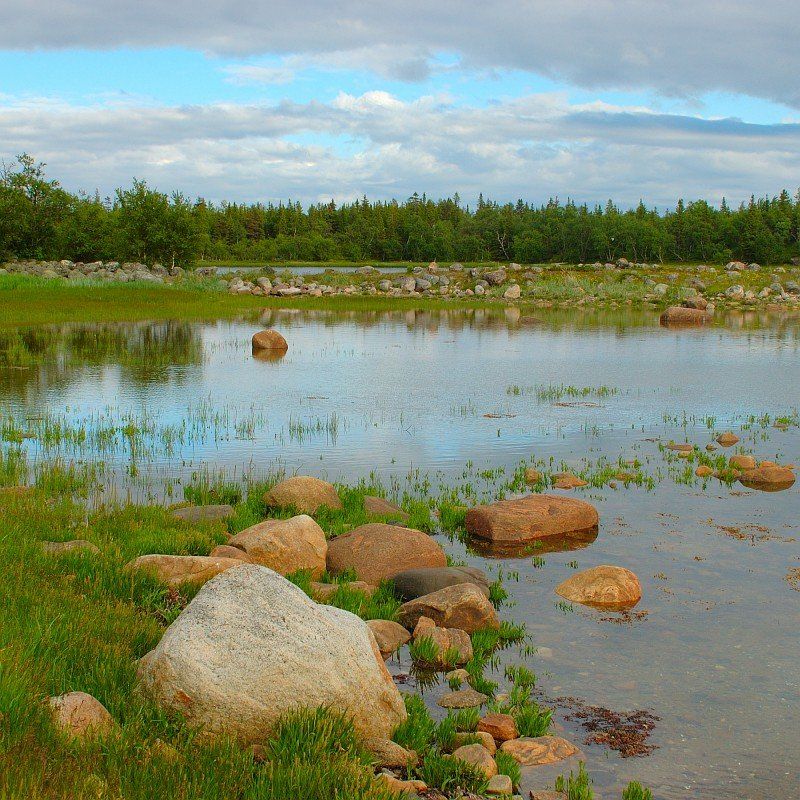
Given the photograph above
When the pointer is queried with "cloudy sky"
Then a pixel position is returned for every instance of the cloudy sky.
(269, 100)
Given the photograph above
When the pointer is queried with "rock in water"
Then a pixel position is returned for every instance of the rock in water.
(768, 479)
(413, 583)
(529, 518)
(304, 494)
(539, 750)
(285, 545)
(252, 646)
(614, 588)
(269, 340)
(678, 315)
(463, 606)
(377, 551)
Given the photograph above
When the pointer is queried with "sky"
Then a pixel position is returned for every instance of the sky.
(312, 101)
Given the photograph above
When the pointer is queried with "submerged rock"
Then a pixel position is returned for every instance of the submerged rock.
(390, 636)
(679, 315)
(304, 494)
(533, 517)
(610, 587)
(727, 439)
(413, 583)
(252, 646)
(462, 698)
(539, 750)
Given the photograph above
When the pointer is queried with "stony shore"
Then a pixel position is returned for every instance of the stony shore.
(619, 283)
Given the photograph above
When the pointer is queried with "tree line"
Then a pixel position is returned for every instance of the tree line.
(41, 220)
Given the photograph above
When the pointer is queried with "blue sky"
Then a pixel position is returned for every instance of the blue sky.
(353, 98)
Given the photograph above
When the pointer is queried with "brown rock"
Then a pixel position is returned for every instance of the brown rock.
(533, 517)
(534, 752)
(175, 570)
(195, 514)
(547, 794)
(72, 546)
(424, 627)
(463, 698)
(609, 587)
(390, 636)
(269, 340)
(285, 545)
(532, 475)
(389, 754)
(462, 606)
(227, 551)
(678, 315)
(566, 480)
(478, 756)
(742, 462)
(397, 786)
(696, 302)
(379, 507)
(703, 471)
(322, 592)
(304, 494)
(80, 715)
(378, 551)
(500, 785)
(680, 447)
(462, 738)
(727, 439)
(502, 727)
(768, 479)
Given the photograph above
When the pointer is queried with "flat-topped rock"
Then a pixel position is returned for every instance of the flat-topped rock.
(605, 586)
(378, 551)
(536, 516)
(175, 570)
(463, 606)
(285, 545)
(413, 583)
(539, 750)
(303, 493)
(195, 514)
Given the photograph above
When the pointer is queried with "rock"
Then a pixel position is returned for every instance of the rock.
(547, 794)
(175, 570)
(304, 494)
(72, 546)
(680, 447)
(742, 462)
(768, 479)
(285, 545)
(532, 475)
(322, 592)
(270, 340)
(81, 716)
(478, 756)
(529, 518)
(735, 292)
(413, 583)
(500, 785)
(696, 302)
(396, 786)
(389, 754)
(539, 750)
(226, 551)
(379, 507)
(513, 292)
(703, 471)
(460, 675)
(727, 439)
(463, 606)
(453, 646)
(195, 514)
(462, 698)
(378, 551)
(390, 636)
(605, 586)
(495, 278)
(252, 646)
(502, 727)
(678, 315)
(566, 480)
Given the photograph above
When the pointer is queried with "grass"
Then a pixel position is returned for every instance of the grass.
(508, 765)
(451, 775)
(576, 787)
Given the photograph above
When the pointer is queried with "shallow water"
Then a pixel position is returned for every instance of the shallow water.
(403, 395)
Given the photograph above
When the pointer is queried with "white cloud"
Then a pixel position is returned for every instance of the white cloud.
(532, 147)
(683, 47)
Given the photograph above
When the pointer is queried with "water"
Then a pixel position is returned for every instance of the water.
(404, 395)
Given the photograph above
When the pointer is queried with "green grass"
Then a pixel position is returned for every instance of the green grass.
(451, 775)
(508, 765)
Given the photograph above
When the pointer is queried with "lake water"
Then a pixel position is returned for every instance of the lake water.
(405, 395)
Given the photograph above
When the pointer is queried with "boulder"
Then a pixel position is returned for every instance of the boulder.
(388, 754)
(304, 494)
(252, 646)
(175, 570)
(727, 439)
(539, 750)
(413, 583)
(285, 545)
(513, 292)
(502, 727)
(500, 786)
(463, 606)
(72, 546)
(269, 340)
(379, 507)
(704, 471)
(462, 698)
(226, 551)
(609, 587)
(81, 716)
(742, 462)
(390, 636)
(678, 315)
(533, 517)
(566, 480)
(532, 475)
(397, 786)
(768, 479)
(378, 551)
(195, 514)
(478, 756)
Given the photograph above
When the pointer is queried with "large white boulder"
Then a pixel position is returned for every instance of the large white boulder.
(252, 646)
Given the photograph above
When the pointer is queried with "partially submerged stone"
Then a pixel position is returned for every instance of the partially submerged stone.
(285, 545)
(252, 646)
(176, 570)
(500, 785)
(727, 439)
(605, 586)
(679, 315)
(463, 606)
(269, 340)
(413, 583)
(530, 518)
(768, 479)
(742, 462)
(304, 494)
(390, 636)
(462, 698)
(566, 480)
(81, 716)
(539, 750)
(378, 551)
